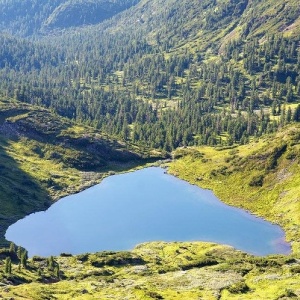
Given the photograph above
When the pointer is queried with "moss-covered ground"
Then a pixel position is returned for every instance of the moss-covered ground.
(156, 270)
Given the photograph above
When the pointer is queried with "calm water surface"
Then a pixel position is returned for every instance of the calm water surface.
(146, 205)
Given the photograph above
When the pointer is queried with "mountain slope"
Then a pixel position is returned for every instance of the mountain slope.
(163, 74)
(28, 17)
(207, 22)
(197, 59)
(262, 176)
(77, 13)
(45, 157)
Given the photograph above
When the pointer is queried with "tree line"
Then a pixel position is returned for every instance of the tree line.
(155, 96)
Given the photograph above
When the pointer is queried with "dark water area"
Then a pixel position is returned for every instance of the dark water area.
(146, 205)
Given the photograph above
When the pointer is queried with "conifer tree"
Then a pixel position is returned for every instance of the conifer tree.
(12, 248)
(8, 265)
(24, 258)
(296, 115)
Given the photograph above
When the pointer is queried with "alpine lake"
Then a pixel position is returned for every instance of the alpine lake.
(145, 205)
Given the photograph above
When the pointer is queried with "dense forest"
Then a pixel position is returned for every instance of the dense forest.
(165, 86)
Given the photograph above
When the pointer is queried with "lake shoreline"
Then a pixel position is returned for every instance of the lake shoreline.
(261, 202)
(185, 205)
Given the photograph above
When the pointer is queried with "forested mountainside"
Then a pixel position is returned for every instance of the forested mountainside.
(167, 73)
(27, 17)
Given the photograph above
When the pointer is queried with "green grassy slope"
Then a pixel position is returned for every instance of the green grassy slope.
(45, 157)
(156, 271)
(262, 176)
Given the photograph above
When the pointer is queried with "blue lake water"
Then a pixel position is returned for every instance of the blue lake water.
(146, 205)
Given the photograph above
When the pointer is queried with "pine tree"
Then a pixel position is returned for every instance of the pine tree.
(57, 271)
(12, 248)
(8, 265)
(296, 115)
(24, 258)
(51, 263)
(19, 252)
(289, 115)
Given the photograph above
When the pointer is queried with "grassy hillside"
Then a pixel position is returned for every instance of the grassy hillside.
(262, 176)
(45, 157)
(155, 271)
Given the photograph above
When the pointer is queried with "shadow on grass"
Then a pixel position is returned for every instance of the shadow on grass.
(20, 194)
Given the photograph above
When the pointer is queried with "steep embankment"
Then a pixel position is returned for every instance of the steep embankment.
(262, 176)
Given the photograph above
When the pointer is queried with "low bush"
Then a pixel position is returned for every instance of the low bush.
(239, 288)
(257, 180)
